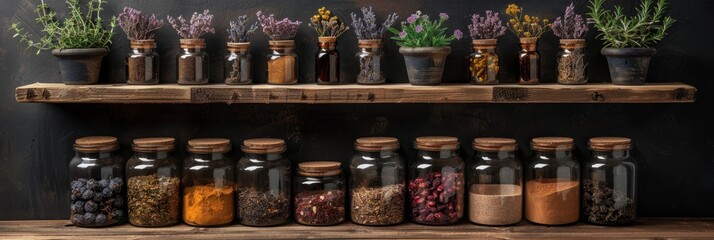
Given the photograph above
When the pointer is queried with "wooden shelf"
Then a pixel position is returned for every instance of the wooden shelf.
(351, 94)
(645, 228)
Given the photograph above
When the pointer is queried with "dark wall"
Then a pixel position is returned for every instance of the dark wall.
(674, 141)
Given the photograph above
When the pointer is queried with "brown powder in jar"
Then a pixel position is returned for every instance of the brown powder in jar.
(282, 70)
(496, 204)
(187, 70)
(207, 205)
(553, 201)
(137, 70)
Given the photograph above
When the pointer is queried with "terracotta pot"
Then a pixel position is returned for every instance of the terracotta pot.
(80, 66)
(425, 65)
(628, 66)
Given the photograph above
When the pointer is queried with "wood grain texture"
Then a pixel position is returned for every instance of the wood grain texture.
(355, 94)
(644, 229)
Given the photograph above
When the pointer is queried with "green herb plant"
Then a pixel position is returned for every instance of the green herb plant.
(419, 31)
(621, 31)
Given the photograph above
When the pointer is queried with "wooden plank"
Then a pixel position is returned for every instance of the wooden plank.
(643, 229)
(356, 94)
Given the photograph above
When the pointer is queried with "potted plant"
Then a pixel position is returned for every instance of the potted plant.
(369, 36)
(79, 41)
(142, 63)
(425, 45)
(528, 29)
(572, 60)
(484, 61)
(193, 62)
(628, 39)
(238, 60)
(327, 59)
(282, 60)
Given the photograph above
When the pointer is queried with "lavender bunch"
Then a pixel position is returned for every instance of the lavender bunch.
(326, 24)
(137, 26)
(366, 27)
(488, 27)
(278, 30)
(239, 31)
(199, 25)
(570, 26)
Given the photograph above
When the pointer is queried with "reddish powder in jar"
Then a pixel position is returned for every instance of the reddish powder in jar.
(553, 201)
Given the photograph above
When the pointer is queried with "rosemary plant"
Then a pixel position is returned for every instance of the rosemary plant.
(644, 29)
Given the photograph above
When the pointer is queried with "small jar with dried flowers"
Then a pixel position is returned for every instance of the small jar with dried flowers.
(142, 62)
(484, 61)
(193, 63)
(369, 37)
(282, 60)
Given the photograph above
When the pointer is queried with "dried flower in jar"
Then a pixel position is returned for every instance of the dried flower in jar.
(320, 207)
(153, 200)
(378, 206)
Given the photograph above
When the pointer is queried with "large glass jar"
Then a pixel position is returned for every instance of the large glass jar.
(193, 62)
(572, 62)
(483, 62)
(238, 64)
(529, 62)
(377, 182)
(370, 62)
(609, 182)
(263, 183)
(97, 183)
(282, 63)
(552, 182)
(142, 63)
(327, 62)
(208, 183)
(496, 189)
(153, 183)
(436, 181)
(320, 194)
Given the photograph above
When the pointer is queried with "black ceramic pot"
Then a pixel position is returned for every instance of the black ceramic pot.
(628, 66)
(80, 66)
(425, 65)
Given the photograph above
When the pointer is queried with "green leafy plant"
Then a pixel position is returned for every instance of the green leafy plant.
(419, 31)
(83, 27)
(644, 29)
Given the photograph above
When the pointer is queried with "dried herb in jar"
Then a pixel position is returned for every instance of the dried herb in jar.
(262, 208)
(96, 202)
(436, 198)
(604, 205)
(320, 207)
(378, 206)
(153, 200)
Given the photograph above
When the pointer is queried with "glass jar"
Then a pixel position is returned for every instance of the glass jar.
(483, 62)
(377, 182)
(282, 63)
(609, 179)
(153, 183)
(208, 183)
(572, 62)
(552, 182)
(97, 183)
(370, 62)
(436, 181)
(238, 64)
(320, 194)
(193, 62)
(529, 62)
(142, 63)
(327, 62)
(263, 183)
(496, 189)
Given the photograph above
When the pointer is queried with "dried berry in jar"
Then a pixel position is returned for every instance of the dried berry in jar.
(435, 198)
(320, 207)
(96, 202)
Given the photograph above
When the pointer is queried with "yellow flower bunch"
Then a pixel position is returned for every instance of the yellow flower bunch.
(524, 25)
(322, 15)
(327, 25)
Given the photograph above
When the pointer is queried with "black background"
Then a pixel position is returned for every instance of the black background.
(674, 141)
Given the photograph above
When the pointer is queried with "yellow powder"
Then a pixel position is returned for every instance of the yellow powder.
(207, 205)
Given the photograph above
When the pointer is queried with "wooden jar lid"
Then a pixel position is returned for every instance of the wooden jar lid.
(96, 144)
(492, 144)
(610, 143)
(263, 146)
(148, 43)
(156, 144)
(376, 144)
(369, 43)
(281, 44)
(209, 145)
(552, 143)
(240, 46)
(192, 43)
(319, 168)
(436, 143)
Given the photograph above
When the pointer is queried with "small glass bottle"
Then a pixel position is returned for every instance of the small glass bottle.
(263, 183)
(529, 62)
(552, 182)
(377, 182)
(282, 63)
(572, 62)
(97, 183)
(208, 183)
(327, 62)
(319, 194)
(153, 183)
(370, 62)
(483, 62)
(609, 182)
(238, 64)
(142, 63)
(436, 181)
(193, 62)
(496, 189)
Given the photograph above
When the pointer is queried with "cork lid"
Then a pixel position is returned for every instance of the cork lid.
(192, 43)
(369, 43)
(147, 43)
(281, 44)
(376, 144)
(492, 144)
(209, 145)
(610, 143)
(155, 144)
(319, 168)
(552, 143)
(239, 46)
(263, 146)
(436, 143)
(96, 144)
(484, 43)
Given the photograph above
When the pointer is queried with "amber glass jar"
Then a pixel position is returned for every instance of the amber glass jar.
(193, 62)
(319, 194)
(496, 189)
(97, 183)
(208, 183)
(552, 182)
(327, 62)
(238, 64)
(436, 181)
(282, 63)
(263, 183)
(483, 62)
(572, 62)
(609, 182)
(377, 182)
(529, 62)
(142, 63)
(370, 62)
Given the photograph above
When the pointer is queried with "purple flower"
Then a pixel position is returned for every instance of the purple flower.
(570, 26)
(458, 34)
(444, 16)
(419, 28)
(138, 26)
(199, 25)
(412, 18)
(425, 17)
(402, 34)
(366, 27)
(278, 29)
(486, 27)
